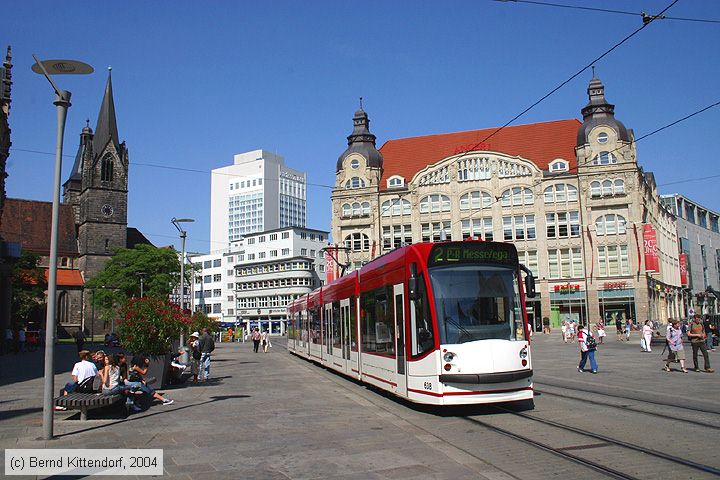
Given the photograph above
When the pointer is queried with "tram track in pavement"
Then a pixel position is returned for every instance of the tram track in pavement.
(628, 407)
(607, 441)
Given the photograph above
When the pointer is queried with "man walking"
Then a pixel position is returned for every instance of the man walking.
(588, 346)
(710, 330)
(206, 345)
(256, 339)
(697, 335)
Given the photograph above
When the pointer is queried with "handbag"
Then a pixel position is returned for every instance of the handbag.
(196, 354)
(590, 342)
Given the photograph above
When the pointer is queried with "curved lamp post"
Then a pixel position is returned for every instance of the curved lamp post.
(183, 234)
(62, 102)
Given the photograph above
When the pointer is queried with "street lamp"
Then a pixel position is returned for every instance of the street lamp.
(62, 102)
(183, 234)
(142, 283)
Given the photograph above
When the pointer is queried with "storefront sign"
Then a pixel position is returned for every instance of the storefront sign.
(652, 263)
(469, 147)
(614, 285)
(567, 288)
(683, 270)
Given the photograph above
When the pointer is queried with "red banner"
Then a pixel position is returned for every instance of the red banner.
(330, 267)
(683, 270)
(652, 262)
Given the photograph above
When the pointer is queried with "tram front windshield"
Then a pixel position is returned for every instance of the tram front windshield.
(476, 302)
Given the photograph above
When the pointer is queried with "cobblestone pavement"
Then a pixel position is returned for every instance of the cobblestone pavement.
(277, 416)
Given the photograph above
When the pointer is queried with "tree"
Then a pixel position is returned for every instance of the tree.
(200, 320)
(119, 281)
(29, 285)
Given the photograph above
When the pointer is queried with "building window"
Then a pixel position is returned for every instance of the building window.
(565, 263)
(395, 182)
(530, 260)
(207, 264)
(106, 169)
(602, 137)
(357, 242)
(217, 308)
(273, 236)
(435, 203)
(207, 293)
(355, 164)
(613, 260)
(560, 193)
(286, 251)
(519, 227)
(261, 239)
(251, 241)
(355, 182)
(604, 158)
(558, 166)
(230, 273)
(230, 286)
(217, 262)
(217, 277)
(563, 224)
(610, 224)
(395, 207)
(475, 200)
(217, 292)
(433, 232)
(251, 256)
(396, 236)
(208, 278)
(303, 252)
(273, 253)
(478, 228)
(261, 255)
(285, 235)
(473, 169)
(517, 196)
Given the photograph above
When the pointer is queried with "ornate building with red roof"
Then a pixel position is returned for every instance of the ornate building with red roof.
(570, 195)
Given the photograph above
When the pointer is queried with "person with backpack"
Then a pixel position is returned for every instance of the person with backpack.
(206, 345)
(674, 339)
(83, 376)
(588, 345)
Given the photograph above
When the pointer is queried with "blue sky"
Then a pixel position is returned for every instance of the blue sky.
(196, 82)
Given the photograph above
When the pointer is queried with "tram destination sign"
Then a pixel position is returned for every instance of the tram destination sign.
(472, 252)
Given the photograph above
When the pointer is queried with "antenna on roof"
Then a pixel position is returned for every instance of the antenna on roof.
(593, 70)
(360, 103)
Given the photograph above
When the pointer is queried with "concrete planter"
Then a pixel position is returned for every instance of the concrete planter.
(158, 368)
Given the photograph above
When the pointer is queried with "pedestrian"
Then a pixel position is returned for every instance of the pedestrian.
(600, 327)
(8, 340)
(619, 329)
(587, 349)
(265, 340)
(674, 339)
(79, 336)
(230, 334)
(22, 338)
(206, 345)
(710, 331)
(647, 334)
(256, 339)
(572, 330)
(697, 335)
(628, 328)
(195, 355)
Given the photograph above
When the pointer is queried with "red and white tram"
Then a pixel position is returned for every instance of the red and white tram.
(437, 323)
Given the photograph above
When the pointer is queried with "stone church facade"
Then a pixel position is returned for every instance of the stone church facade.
(570, 195)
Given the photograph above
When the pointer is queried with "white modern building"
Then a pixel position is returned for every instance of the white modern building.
(254, 194)
(250, 283)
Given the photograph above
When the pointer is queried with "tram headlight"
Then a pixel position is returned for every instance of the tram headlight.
(524, 352)
(448, 357)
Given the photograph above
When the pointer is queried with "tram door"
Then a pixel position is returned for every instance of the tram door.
(327, 334)
(398, 295)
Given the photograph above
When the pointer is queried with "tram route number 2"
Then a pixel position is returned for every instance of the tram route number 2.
(427, 386)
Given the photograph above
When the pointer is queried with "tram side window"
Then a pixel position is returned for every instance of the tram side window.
(336, 324)
(353, 326)
(421, 326)
(377, 323)
(315, 325)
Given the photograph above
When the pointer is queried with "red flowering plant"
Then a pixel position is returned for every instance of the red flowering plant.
(150, 325)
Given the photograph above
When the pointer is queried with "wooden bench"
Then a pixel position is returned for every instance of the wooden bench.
(87, 401)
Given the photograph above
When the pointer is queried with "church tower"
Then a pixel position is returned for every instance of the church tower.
(101, 172)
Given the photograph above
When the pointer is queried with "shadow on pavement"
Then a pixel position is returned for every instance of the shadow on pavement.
(18, 413)
(141, 416)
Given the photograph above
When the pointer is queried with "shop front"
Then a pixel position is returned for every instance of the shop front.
(567, 304)
(272, 320)
(617, 303)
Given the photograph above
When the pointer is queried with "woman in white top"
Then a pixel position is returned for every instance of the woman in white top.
(264, 341)
(111, 382)
(647, 333)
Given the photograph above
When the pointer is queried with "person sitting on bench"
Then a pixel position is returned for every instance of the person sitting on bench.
(139, 368)
(83, 375)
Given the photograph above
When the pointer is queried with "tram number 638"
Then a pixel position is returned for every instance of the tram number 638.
(427, 386)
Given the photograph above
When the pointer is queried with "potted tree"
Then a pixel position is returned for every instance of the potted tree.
(149, 327)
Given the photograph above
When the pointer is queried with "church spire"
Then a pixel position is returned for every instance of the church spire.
(106, 128)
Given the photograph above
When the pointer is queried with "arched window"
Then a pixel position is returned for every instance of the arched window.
(604, 158)
(346, 210)
(475, 200)
(365, 208)
(355, 182)
(395, 207)
(558, 166)
(610, 224)
(435, 203)
(607, 187)
(619, 187)
(517, 196)
(106, 169)
(356, 209)
(395, 182)
(357, 242)
(560, 193)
